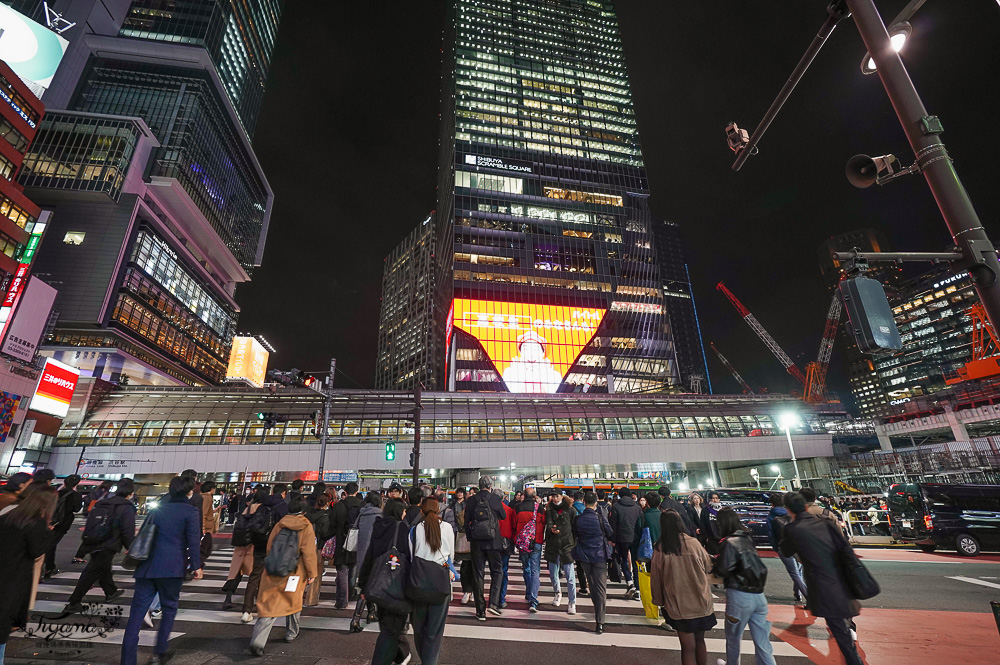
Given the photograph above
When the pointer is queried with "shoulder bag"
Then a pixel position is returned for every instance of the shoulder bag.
(428, 582)
(351, 542)
(387, 584)
(860, 583)
(142, 545)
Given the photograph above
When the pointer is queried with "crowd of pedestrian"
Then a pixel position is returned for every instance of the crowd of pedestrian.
(395, 554)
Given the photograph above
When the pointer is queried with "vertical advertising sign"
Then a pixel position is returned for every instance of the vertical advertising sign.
(531, 346)
(30, 49)
(248, 361)
(8, 407)
(25, 331)
(55, 389)
(20, 278)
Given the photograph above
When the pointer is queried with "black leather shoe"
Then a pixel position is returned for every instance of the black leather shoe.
(73, 608)
(118, 593)
(600, 629)
(161, 658)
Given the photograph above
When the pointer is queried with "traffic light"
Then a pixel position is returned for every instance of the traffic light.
(390, 451)
(411, 458)
(870, 317)
(307, 380)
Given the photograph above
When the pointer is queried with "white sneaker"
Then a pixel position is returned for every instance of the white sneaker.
(408, 658)
(148, 620)
(466, 598)
(246, 618)
(720, 661)
(854, 635)
(571, 609)
(557, 601)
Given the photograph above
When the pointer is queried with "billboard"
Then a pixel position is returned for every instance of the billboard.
(531, 346)
(248, 361)
(8, 407)
(30, 49)
(29, 321)
(55, 389)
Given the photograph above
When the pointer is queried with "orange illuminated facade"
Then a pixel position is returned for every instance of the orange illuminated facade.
(531, 346)
(248, 361)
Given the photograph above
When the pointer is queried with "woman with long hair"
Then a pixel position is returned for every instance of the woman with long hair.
(695, 506)
(679, 581)
(24, 536)
(745, 576)
(242, 563)
(433, 540)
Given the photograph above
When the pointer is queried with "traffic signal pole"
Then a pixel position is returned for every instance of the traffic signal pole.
(923, 132)
(416, 432)
(327, 395)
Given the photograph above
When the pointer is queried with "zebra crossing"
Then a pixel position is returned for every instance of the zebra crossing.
(626, 626)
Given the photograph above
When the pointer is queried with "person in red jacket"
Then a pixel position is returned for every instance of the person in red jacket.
(507, 531)
(527, 513)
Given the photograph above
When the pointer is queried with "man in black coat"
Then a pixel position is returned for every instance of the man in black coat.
(624, 516)
(668, 502)
(485, 551)
(344, 514)
(70, 502)
(817, 542)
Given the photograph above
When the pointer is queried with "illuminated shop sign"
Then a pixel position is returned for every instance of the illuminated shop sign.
(55, 388)
(532, 347)
(31, 50)
(497, 163)
(248, 361)
(20, 278)
(951, 280)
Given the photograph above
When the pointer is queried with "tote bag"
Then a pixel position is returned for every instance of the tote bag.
(142, 545)
(387, 584)
(428, 582)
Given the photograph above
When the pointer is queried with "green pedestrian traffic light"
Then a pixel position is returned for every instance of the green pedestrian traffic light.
(390, 452)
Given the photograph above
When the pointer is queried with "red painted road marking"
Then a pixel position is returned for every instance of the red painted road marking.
(908, 556)
(892, 637)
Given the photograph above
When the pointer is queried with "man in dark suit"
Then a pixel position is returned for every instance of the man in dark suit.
(486, 551)
(817, 541)
(176, 551)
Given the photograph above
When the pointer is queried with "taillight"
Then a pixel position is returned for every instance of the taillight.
(928, 523)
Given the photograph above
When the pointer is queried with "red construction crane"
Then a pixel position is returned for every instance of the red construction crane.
(985, 350)
(816, 371)
(754, 324)
(747, 390)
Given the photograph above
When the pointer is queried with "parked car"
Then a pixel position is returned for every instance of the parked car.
(962, 517)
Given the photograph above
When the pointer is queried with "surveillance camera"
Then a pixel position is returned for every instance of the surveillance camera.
(738, 138)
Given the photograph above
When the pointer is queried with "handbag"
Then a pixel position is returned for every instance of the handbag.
(142, 545)
(614, 571)
(462, 545)
(428, 582)
(645, 552)
(351, 543)
(386, 586)
(860, 583)
(329, 548)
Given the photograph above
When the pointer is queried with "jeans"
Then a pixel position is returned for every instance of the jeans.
(531, 563)
(841, 630)
(344, 576)
(262, 628)
(156, 605)
(98, 570)
(503, 587)
(169, 591)
(569, 570)
(480, 559)
(621, 556)
(428, 630)
(794, 569)
(597, 578)
(743, 608)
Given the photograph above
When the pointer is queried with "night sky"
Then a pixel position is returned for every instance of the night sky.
(348, 140)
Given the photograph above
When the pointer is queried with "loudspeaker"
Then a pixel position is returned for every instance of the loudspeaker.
(869, 316)
(862, 171)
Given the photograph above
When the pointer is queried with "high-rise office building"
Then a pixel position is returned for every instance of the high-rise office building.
(547, 271)
(406, 348)
(161, 208)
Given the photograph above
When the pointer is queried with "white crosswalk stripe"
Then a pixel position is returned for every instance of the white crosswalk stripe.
(201, 602)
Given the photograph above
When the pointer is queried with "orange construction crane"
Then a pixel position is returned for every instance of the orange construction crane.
(816, 370)
(985, 350)
(754, 324)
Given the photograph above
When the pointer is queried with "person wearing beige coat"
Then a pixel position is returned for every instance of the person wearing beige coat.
(282, 596)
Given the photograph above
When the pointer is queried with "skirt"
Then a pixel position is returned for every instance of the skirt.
(698, 625)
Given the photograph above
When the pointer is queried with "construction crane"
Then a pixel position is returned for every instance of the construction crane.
(985, 350)
(754, 324)
(816, 370)
(747, 390)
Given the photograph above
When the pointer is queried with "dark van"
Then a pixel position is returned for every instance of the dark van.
(965, 518)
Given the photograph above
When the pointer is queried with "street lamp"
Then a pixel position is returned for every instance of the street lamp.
(788, 420)
(775, 468)
(898, 34)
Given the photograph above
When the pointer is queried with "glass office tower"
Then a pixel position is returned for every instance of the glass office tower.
(547, 264)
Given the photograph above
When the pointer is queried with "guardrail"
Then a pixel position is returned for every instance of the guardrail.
(869, 527)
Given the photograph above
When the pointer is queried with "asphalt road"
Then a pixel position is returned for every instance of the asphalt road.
(922, 613)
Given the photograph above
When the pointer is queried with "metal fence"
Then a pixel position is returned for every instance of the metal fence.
(976, 461)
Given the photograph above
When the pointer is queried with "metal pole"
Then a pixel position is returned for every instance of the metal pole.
(416, 432)
(795, 463)
(835, 13)
(78, 461)
(922, 131)
(326, 418)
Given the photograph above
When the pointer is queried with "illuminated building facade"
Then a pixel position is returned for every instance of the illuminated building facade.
(406, 347)
(545, 237)
(160, 206)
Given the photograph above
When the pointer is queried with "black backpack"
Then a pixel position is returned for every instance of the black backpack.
(101, 524)
(283, 557)
(241, 530)
(485, 524)
(59, 514)
(778, 524)
(260, 525)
